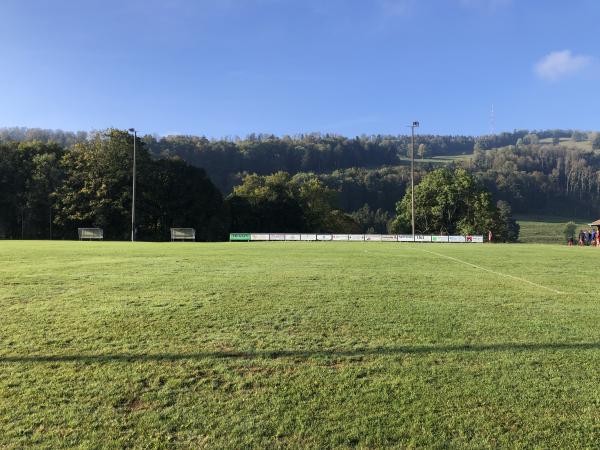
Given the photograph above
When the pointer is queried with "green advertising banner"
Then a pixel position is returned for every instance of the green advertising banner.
(239, 236)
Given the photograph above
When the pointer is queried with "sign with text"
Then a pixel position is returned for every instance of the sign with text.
(340, 237)
(353, 237)
(239, 236)
(356, 237)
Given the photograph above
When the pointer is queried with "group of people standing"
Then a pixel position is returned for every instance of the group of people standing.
(590, 237)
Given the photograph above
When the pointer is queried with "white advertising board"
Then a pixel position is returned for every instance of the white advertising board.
(421, 238)
(340, 237)
(361, 237)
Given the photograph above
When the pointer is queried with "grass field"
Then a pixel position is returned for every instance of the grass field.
(546, 229)
(441, 160)
(301, 345)
(568, 142)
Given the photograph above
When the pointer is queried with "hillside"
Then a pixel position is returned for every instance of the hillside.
(547, 229)
(526, 169)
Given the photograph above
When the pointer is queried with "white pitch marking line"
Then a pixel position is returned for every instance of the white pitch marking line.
(494, 272)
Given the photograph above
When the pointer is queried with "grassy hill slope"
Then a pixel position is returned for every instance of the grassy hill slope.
(546, 229)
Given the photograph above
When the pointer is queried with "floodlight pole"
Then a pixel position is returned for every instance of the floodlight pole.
(412, 176)
(134, 131)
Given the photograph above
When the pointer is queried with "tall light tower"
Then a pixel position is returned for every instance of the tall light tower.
(414, 125)
(134, 131)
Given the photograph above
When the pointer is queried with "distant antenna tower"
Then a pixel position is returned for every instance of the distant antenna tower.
(492, 120)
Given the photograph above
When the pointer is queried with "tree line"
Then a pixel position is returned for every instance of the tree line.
(544, 179)
(227, 161)
(53, 182)
(48, 191)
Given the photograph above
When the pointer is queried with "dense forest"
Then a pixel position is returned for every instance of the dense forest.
(228, 160)
(53, 181)
(47, 191)
(544, 179)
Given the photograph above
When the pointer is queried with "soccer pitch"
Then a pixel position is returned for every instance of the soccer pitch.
(302, 345)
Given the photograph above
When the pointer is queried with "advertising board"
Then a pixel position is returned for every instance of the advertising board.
(239, 236)
(259, 237)
(356, 237)
(422, 238)
(340, 237)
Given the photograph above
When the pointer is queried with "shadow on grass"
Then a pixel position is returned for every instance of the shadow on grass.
(301, 354)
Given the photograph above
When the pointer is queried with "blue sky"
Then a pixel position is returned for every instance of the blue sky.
(232, 67)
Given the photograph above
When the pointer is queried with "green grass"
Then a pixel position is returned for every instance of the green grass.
(570, 143)
(301, 345)
(547, 229)
(442, 160)
(453, 158)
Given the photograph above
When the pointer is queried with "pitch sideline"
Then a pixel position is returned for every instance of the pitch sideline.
(494, 272)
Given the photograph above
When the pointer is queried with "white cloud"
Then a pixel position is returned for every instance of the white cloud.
(557, 65)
